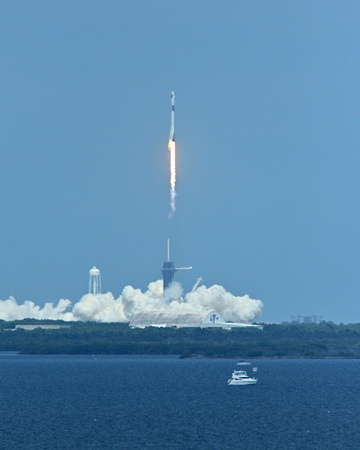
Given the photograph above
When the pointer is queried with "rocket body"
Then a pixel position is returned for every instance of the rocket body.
(172, 126)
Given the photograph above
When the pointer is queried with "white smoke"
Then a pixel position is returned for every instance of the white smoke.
(99, 308)
(236, 309)
(105, 308)
(11, 310)
(172, 200)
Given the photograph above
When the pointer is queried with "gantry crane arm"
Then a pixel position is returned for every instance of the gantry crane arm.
(198, 281)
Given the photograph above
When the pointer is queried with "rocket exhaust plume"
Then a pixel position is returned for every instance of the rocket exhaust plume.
(172, 149)
(107, 308)
(171, 146)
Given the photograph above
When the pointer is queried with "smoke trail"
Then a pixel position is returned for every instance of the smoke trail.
(105, 308)
(172, 150)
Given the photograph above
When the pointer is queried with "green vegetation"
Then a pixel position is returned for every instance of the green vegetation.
(324, 340)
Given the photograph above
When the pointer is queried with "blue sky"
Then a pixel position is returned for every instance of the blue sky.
(267, 129)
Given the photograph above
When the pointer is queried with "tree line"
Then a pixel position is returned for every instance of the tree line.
(324, 340)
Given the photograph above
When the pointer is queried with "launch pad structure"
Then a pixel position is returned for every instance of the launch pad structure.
(169, 269)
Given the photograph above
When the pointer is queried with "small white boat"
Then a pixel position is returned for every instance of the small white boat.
(243, 363)
(240, 377)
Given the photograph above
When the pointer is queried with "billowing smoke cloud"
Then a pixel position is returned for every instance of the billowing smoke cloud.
(105, 308)
(11, 310)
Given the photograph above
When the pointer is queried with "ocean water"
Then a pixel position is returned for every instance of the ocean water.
(115, 402)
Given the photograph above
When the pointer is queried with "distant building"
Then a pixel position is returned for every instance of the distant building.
(306, 319)
(202, 319)
(43, 327)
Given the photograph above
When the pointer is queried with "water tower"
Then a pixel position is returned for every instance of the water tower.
(95, 281)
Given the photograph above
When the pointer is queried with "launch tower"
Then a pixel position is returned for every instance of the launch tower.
(169, 269)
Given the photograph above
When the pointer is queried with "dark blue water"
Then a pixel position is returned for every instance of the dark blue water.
(77, 402)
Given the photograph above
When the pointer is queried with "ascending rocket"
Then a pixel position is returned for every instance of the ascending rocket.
(172, 127)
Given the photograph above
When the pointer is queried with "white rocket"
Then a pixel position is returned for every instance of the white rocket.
(172, 127)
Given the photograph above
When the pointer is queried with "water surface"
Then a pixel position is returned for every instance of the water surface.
(163, 402)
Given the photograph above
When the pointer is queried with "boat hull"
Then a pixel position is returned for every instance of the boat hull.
(249, 381)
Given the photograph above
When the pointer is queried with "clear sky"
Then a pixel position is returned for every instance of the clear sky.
(267, 129)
